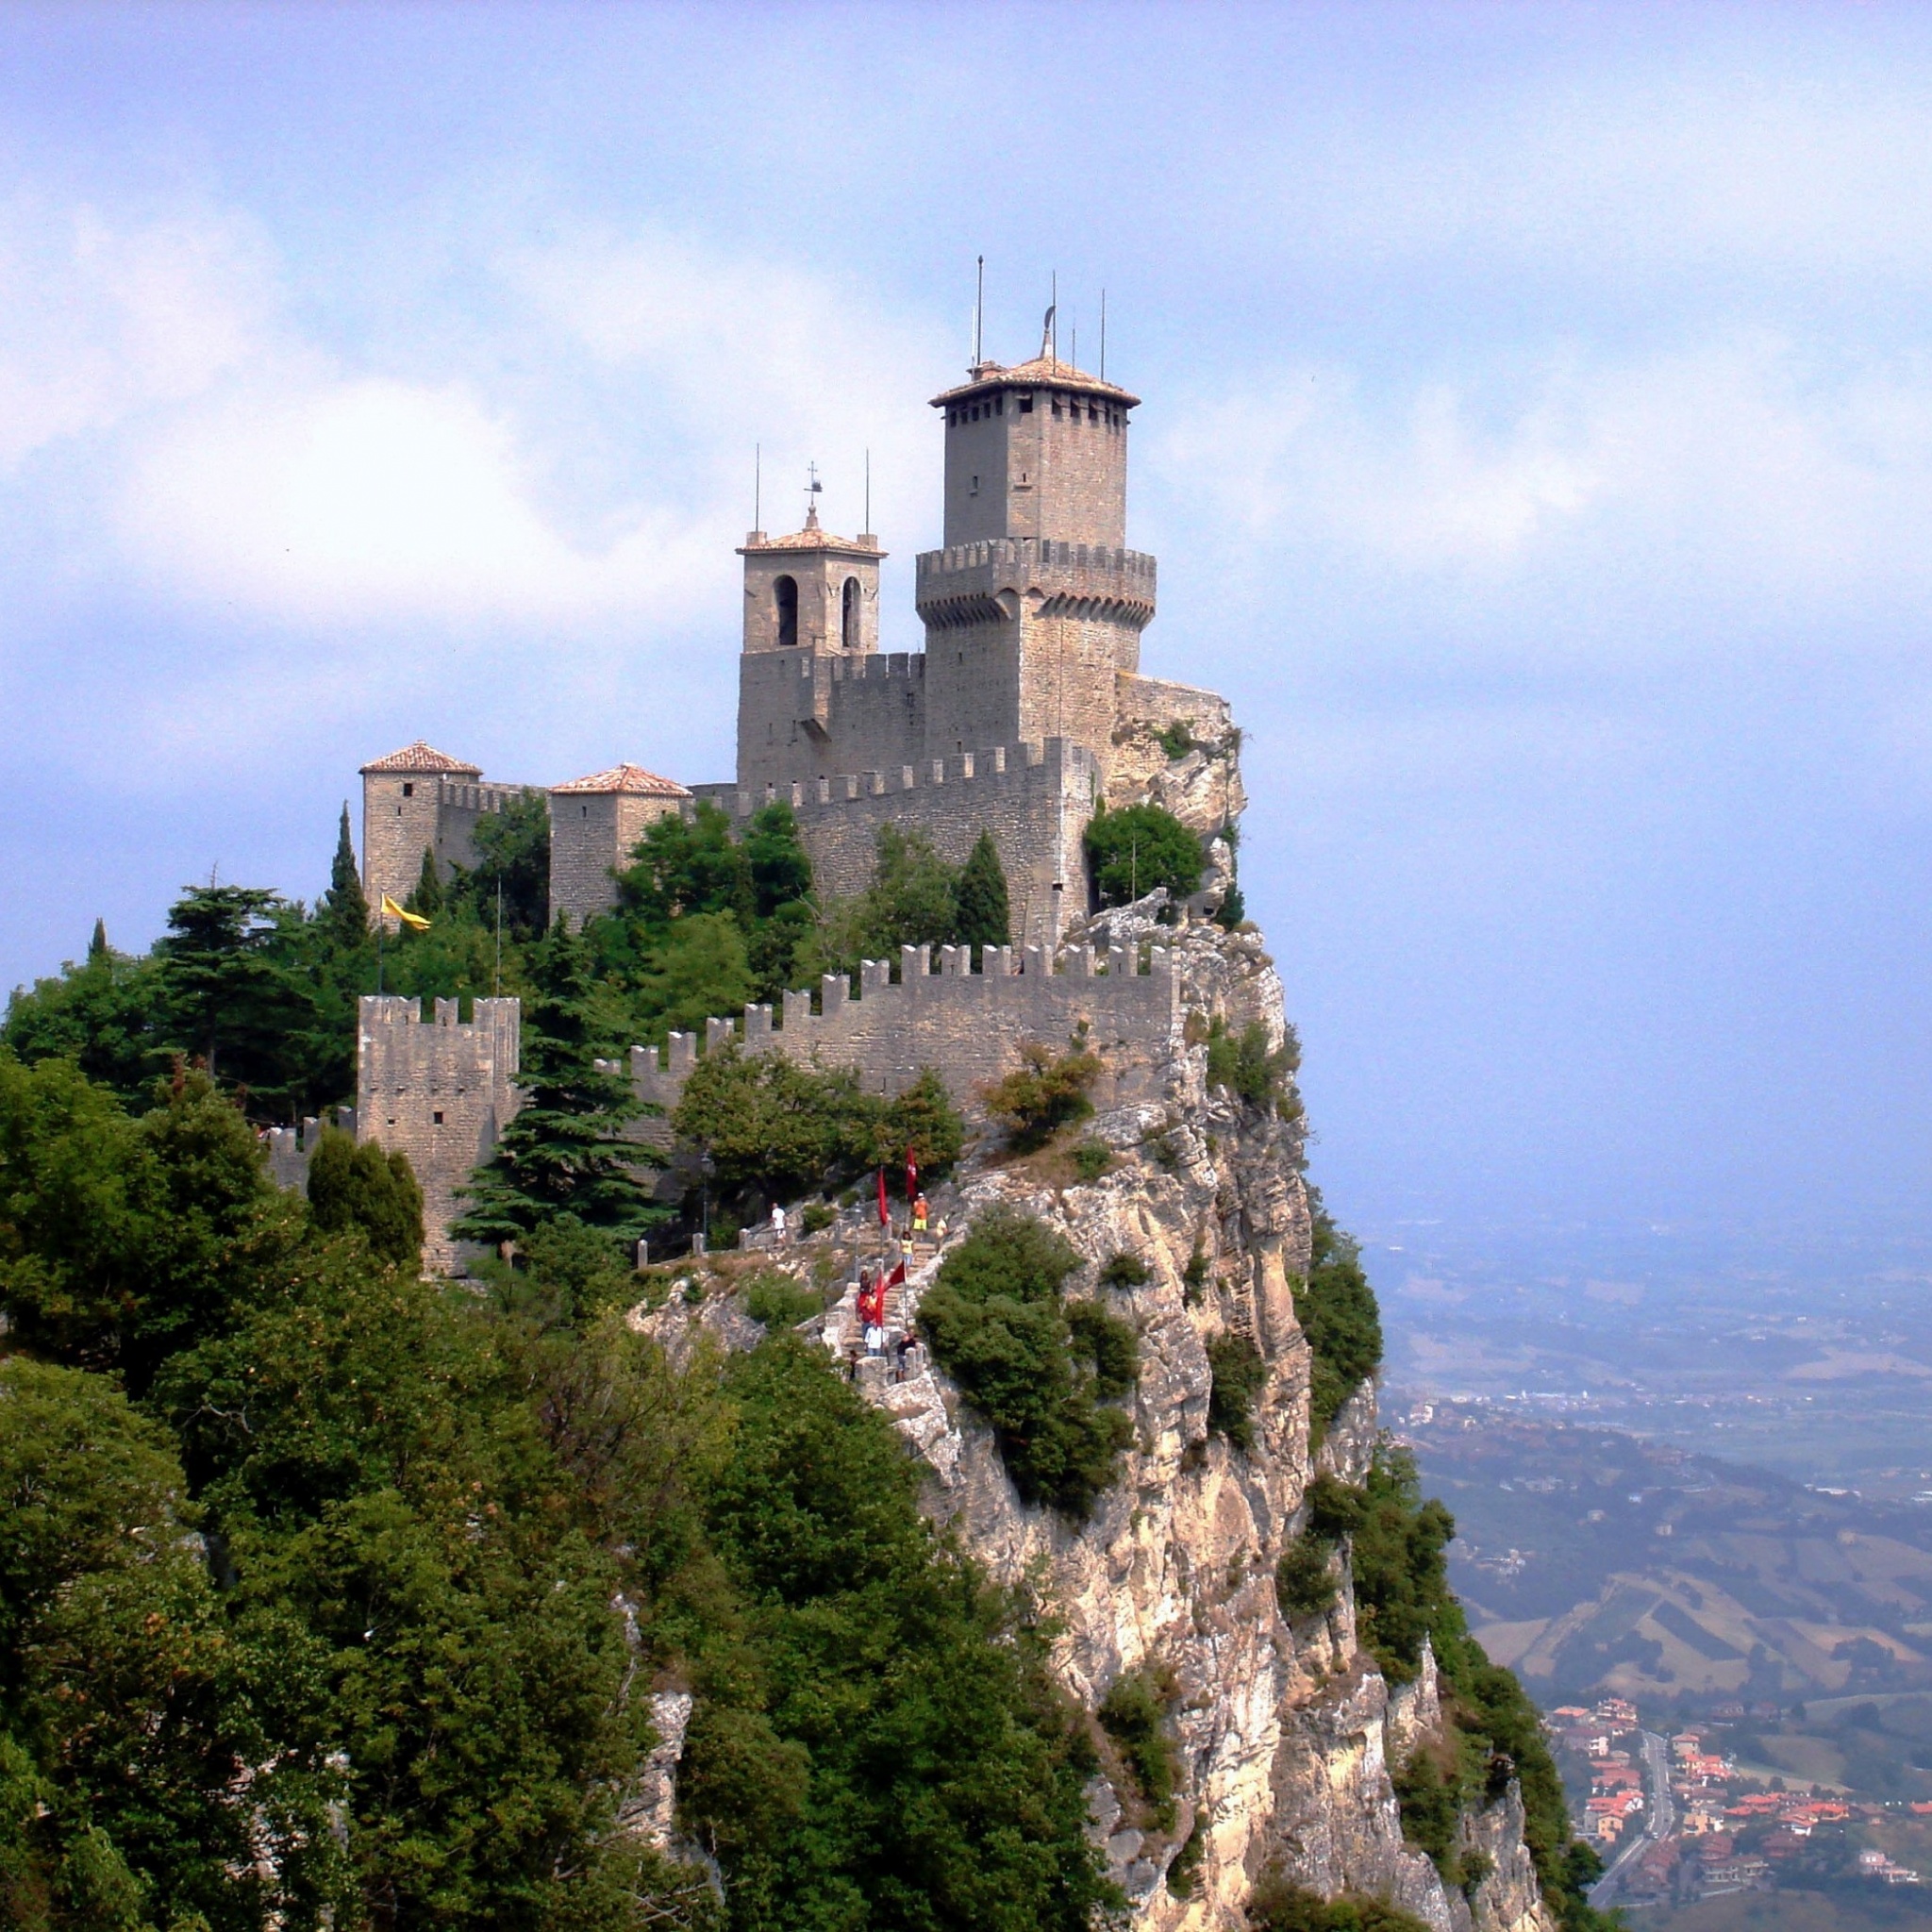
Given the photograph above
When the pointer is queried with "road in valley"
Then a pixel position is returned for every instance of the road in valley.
(1659, 1817)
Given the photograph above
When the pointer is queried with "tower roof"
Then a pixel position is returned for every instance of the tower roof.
(1042, 372)
(812, 538)
(631, 780)
(424, 757)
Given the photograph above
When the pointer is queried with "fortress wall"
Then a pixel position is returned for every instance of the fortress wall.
(968, 1026)
(1035, 799)
(461, 807)
(802, 715)
(440, 1093)
(1073, 654)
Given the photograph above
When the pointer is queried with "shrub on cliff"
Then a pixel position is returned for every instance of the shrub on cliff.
(1043, 1094)
(1337, 1310)
(1248, 1066)
(1131, 1713)
(1039, 1371)
(1279, 1906)
(1238, 1373)
(1139, 847)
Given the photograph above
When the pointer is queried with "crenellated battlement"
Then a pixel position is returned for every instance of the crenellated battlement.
(442, 1090)
(968, 1026)
(291, 1149)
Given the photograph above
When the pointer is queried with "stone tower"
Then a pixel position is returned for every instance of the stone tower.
(403, 817)
(1035, 606)
(811, 636)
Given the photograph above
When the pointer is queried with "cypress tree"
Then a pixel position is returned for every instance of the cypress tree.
(427, 897)
(565, 1152)
(982, 916)
(361, 1187)
(97, 945)
(344, 909)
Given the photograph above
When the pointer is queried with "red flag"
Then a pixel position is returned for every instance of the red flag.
(911, 1176)
(885, 1213)
(895, 1280)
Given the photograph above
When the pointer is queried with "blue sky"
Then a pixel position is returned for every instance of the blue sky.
(1538, 447)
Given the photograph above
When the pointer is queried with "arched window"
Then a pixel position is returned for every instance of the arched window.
(786, 591)
(849, 614)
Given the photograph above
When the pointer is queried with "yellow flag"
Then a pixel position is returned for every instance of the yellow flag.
(414, 920)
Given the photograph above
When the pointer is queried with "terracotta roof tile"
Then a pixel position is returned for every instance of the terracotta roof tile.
(631, 780)
(423, 758)
(1042, 372)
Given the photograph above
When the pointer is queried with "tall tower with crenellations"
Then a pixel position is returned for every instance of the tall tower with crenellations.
(1034, 606)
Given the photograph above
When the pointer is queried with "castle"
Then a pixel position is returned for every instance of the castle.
(1026, 712)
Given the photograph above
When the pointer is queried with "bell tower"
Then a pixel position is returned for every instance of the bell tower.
(1036, 605)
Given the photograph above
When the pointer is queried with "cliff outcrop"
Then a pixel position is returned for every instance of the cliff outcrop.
(1285, 1733)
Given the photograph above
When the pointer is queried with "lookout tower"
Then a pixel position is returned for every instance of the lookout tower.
(1035, 604)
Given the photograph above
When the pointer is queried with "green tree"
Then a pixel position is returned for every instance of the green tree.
(776, 858)
(343, 915)
(373, 1193)
(910, 902)
(884, 1747)
(997, 1323)
(121, 1240)
(427, 896)
(566, 1151)
(103, 1014)
(226, 999)
(982, 916)
(1239, 1373)
(1139, 847)
(683, 866)
(513, 852)
(698, 971)
(767, 1124)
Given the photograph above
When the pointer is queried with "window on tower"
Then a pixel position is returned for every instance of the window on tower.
(785, 594)
(1026, 404)
(849, 615)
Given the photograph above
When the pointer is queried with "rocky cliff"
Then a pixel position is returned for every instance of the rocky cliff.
(1286, 1732)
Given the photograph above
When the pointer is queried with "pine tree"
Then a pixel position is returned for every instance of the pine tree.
(344, 915)
(983, 916)
(226, 1000)
(565, 1152)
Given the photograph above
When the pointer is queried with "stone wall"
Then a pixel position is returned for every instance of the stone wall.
(968, 1026)
(291, 1149)
(1035, 799)
(405, 814)
(441, 1093)
(803, 716)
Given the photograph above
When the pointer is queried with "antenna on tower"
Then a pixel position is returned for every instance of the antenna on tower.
(1053, 315)
(1103, 335)
(868, 491)
(758, 485)
(979, 319)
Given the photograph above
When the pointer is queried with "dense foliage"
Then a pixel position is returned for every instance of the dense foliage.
(343, 1606)
(1041, 1370)
(1139, 848)
(772, 1129)
(1337, 1310)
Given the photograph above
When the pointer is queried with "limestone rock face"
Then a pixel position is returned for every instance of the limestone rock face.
(1286, 1734)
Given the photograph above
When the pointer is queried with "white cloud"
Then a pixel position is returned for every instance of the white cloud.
(102, 319)
(1741, 479)
(365, 497)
